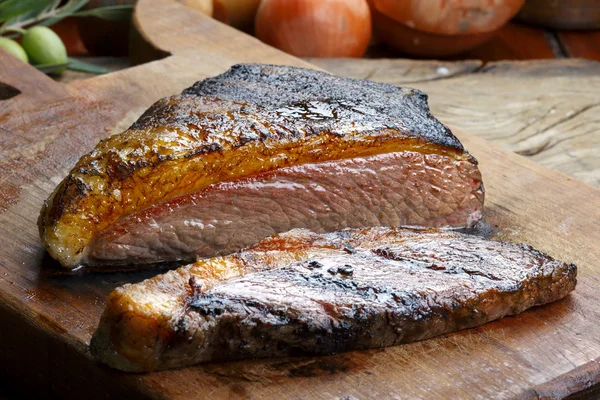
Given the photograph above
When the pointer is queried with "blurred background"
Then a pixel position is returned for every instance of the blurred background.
(96, 33)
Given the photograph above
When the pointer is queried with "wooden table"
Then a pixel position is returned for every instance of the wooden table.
(551, 351)
(544, 110)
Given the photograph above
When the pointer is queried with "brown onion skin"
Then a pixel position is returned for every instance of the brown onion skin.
(421, 44)
(238, 13)
(450, 17)
(315, 28)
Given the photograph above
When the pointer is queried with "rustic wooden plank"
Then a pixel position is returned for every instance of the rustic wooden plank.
(581, 44)
(397, 71)
(548, 351)
(545, 111)
(26, 79)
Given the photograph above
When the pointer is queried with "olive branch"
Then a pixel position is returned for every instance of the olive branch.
(18, 15)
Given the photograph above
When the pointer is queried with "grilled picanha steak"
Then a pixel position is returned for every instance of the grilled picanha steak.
(259, 150)
(302, 293)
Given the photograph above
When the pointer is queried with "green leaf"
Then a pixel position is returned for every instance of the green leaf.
(49, 68)
(72, 5)
(32, 12)
(10, 9)
(112, 13)
(78, 65)
(65, 11)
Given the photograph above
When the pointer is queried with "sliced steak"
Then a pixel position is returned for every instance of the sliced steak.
(391, 189)
(250, 140)
(306, 294)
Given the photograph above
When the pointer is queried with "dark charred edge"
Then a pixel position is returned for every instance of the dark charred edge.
(159, 267)
(346, 335)
(270, 86)
(55, 207)
(482, 229)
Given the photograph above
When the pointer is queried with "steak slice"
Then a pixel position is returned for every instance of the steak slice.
(249, 141)
(302, 293)
(381, 190)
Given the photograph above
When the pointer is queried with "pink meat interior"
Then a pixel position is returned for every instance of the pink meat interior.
(393, 189)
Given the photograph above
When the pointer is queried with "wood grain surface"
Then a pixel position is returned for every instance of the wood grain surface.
(48, 318)
(547, 111)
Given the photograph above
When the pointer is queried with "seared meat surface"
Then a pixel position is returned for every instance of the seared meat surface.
(191, 171)
(302, 293)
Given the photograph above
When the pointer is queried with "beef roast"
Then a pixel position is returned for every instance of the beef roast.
(259, 150)
(302, 293)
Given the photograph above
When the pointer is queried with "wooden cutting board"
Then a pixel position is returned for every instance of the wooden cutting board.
(48, 318)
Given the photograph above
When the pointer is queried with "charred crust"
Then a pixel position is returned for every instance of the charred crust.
(334, 309)
(209, 305)
(195, 286)
(119, 171)
(348, 248)
(314, 264)
(81, 188)
(274, 89)
(69, 192)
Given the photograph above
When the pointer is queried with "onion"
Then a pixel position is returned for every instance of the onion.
(237, 13)
(423, 44)
(315, 28)
(456, 17)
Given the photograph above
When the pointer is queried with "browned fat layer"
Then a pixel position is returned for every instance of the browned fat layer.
(123, 175)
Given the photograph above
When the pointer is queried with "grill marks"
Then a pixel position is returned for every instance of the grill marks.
(332, 277)
(317, 307)
(435, 263)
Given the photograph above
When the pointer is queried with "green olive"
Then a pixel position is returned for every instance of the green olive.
(44, 47)
(14, 48)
